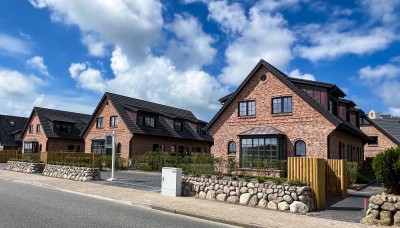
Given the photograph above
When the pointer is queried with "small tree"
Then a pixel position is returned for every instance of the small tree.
(386, 166)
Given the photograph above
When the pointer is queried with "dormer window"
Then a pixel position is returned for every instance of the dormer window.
(332, 106)
(62, 128)
(178, 126)
(147, 121)
(200, 130)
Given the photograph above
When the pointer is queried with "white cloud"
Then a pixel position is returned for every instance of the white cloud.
(37, 63)
(385, 11)
(95, 46)
(12, 45)
(266, 36)
(327, 42)
(394, 111)
(191, 47)
(232, 18)
(296, 74)
(388, 92)
(381, 72)
(87, 77)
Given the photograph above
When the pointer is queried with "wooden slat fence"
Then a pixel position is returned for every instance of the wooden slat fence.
(6, 155)
(323, 176)
(48, 157)
(312, 172)
(336, 177)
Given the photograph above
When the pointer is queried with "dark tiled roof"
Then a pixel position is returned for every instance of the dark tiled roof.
(390, 125)
(317, 83)
(290, 82)
(47, 118)
(266, 130)
(225, 98)
(122, 104)
(7, 129)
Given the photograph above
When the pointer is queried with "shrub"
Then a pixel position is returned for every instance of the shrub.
(260, 179)
(353, 169)
(386, 166)
(296, 183)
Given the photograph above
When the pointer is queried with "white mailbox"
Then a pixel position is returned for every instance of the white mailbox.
(171, 181)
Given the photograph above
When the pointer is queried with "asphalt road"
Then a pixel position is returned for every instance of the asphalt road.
(25, 205)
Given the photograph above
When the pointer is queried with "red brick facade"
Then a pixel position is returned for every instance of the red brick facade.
(384, 142)
(44, 143)
(303, 123)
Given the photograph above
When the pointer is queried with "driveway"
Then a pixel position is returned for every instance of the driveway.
(349, 208)
(146, 181)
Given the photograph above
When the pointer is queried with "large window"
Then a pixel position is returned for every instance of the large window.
(30, 147)
(231, 148)
(300, 148)
(113, 121)
(254, 151)
(247, 108)
(178, 125)
(99, 123)
(98, 147)
(281, 105)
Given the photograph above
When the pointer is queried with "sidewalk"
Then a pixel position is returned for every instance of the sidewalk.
(209, 210)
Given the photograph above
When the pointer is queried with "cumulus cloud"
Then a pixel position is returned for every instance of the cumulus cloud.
(87, 77)
(266, 36)
(13, 45)
(231, 17)
(378, 73)
(37, 63)
(296, 74)
(385, 11)
(96, 46)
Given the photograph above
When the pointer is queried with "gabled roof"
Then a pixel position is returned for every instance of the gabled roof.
(10, 125)
(123, 104)
(390, 126)
(289, 82)
(47, 117)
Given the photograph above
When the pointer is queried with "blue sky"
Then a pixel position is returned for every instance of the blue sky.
(65, 54)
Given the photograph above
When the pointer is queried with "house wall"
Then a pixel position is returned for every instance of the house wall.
(124, 136)
(144, 143)
(40, 137)
(303, 123)
(384, 142)
(346, 139)
(54, 144)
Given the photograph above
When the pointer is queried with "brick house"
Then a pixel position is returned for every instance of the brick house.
(384, 130)
(10, 132)
(54, 130)
(271, 115)
(143, 126)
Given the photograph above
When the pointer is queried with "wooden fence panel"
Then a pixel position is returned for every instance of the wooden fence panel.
(312, 172)
(336, 176)
(6, 155)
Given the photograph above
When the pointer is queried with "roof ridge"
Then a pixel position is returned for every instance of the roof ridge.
(58, 110)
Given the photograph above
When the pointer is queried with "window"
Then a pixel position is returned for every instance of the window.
(200, 130)
(181, 150)
(12, 123)
(62, 128)
(254, 151)
(281, 105)
(159, 147)
(30, 147)
(374, 141)
(71, 148)
(198, 149)
(231, 148)
(178, 125)
(300, 148)
(173, 149)
(38, 128)
(113, 121)
(98, 147)
(332, 106)
(99, 123)
(31, 129)
(147, 121)
(17, 136)
(247, 108)
(119, 148)
(78, 148)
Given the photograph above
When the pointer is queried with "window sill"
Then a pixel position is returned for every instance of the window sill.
(99, 127)
(373, 145)
(282, 114)
(246, 117)
(231, 155)
(113, 126)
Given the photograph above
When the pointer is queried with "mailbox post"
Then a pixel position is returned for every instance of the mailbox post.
(110, 143)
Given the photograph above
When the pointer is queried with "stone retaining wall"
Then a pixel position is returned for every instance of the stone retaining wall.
(264, 195)
(25, 167)
(383, 210)
(72, 172)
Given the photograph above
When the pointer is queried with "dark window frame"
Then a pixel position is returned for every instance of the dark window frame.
(31, 128)
(113, 121)
(265, 150)
(180, 126)
(375, 141)
(38, 128)
(147, 121)
(281, 109)
(296, 145)
(249, 106)
(232, 151)
(60, 127)
(100, 122)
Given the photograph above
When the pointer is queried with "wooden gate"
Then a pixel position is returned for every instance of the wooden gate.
(323, 176)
